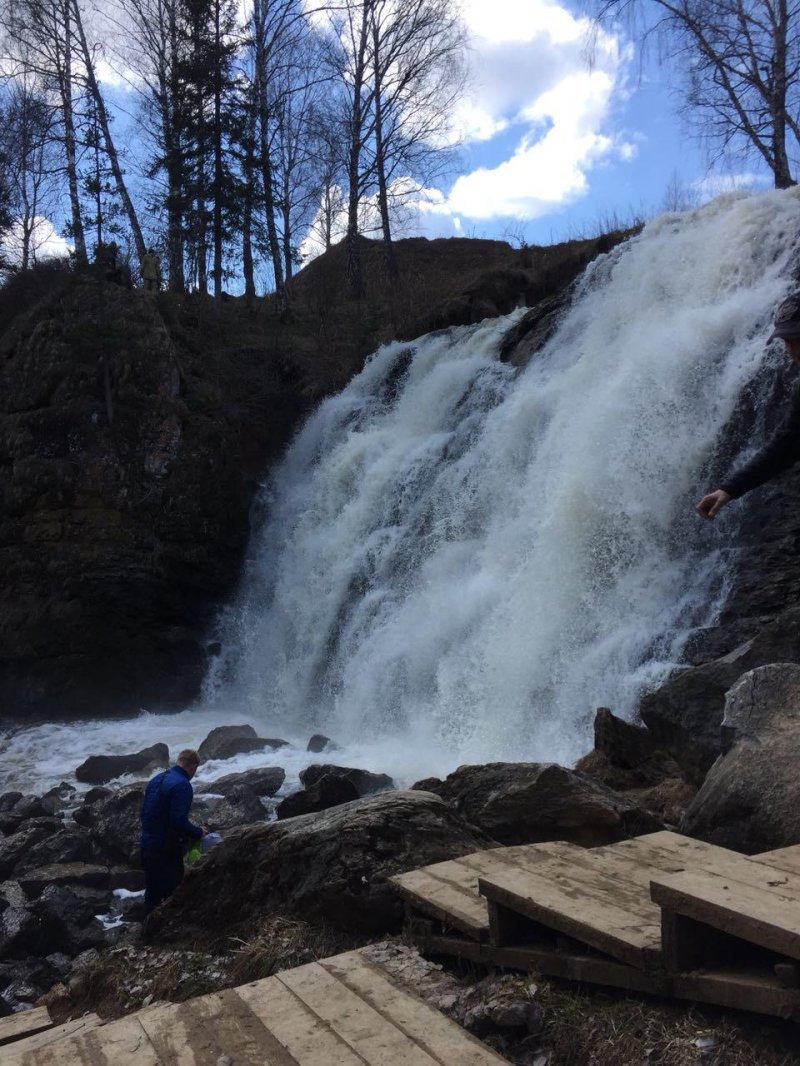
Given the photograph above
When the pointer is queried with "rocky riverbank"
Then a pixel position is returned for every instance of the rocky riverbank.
(306, 875)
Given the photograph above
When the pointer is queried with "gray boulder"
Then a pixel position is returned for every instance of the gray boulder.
(264, 781)
(684, 715)
(114, 824)
(98, 769)
(330, 867)
(20, 926)
(13, 848)
(71, 874)
(750, 799)
(327, 791)
(523, 803)
(226, 741)
(68, 845)
(319, 743)
(240, 806)
(365, 783)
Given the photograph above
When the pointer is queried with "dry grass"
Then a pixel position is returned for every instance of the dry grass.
(591, 1028)
(281, 944)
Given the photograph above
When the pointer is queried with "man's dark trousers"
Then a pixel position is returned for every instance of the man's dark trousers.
(162, 875)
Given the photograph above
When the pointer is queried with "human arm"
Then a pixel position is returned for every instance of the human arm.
(780, 452)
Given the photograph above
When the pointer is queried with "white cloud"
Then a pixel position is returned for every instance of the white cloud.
(532, 74)
(45, 242)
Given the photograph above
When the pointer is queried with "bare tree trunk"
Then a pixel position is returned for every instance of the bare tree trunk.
(173, 162)
(105, 126)
(782, 170)
(247, 208)
(65, 88)
(354, 156)
(219, 179)
(380, 162)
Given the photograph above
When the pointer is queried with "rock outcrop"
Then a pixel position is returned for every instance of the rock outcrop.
(749, 800)
(523, 803)
(98, 769)
(364, 782)
(330, 867)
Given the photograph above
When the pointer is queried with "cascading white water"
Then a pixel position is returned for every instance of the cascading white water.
(467, 559)
(463, 560)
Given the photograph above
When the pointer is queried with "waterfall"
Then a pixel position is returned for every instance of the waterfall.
(464, 558)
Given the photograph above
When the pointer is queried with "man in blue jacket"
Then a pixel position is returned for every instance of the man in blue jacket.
(166, 829)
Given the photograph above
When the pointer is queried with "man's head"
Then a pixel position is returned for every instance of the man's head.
(787, 326)
(188, 760)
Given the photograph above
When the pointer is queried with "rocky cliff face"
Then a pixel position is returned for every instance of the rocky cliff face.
(125, 478)
(133, 429)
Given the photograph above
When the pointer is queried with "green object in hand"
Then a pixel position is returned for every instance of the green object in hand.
(194, 853)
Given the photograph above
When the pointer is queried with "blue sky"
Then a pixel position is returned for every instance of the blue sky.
(555, 146)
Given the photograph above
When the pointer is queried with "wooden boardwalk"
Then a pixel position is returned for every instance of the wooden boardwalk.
(342, 1011)
(661, 913)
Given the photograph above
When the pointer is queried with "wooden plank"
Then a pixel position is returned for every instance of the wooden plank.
(441, 1038)
(305, 1039)
(119, 1043)
(598, 911)
(202, 1030)
(741, 990)
(485, 862)
(764, 913)
(449, 903)
(25, 1023)
(533, 958)
(367, 1032)
(782, 858)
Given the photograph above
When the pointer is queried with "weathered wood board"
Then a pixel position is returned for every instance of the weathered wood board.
(25, 1023)
(343, 1011)
(761, 908)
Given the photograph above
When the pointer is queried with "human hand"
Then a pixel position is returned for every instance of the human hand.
(205, 830)
(710, 505)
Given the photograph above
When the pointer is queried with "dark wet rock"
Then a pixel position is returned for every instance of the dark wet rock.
(684, 715)
(365, 783)
(226, 741)
(522, 803)
(240, 806)
(13, 848)
(263, 781)
(327, 791)
(499, 1003)
(131, 878)
(34, 807)
(86, 874)
(748, 800)
(97, 793)
(69, 845)
(330, 867)
(61, 963)
(533, 330)
(9, 799)
(429, 784)
(61, 796)
(67, 920)
(625, 756)
(319, 743)
(115, 824)
(20, 926)
(98, 769)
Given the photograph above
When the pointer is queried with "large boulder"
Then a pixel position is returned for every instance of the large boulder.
(69, 845)
(240, 806)
(750, 799)
(13, 848)
(523, 803)
(264, 781)
(331, 867)
(71, 874)
(326, 791)
(226, 741)
(685, 713)
(115, 824)
(98, 769)
(365, 782)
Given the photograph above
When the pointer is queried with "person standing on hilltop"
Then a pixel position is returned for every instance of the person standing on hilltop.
(151, 271)
(166, 829)
(783, 448)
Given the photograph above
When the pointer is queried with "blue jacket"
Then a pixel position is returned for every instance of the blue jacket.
(165, 813)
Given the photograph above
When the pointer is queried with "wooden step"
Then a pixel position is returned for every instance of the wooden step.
(750, 901)
(25, 1023)
(448, 891)
(343, 1011)
(782, 858)
(609, 911)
